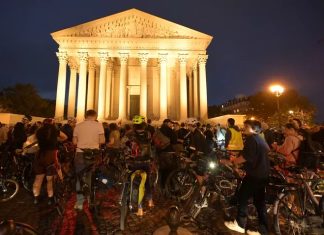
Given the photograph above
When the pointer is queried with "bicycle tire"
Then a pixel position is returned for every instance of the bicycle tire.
(28, 177)
(123, 211)
(12, 227)
(190, 182)
(285, 215)
(27, 229)
(15, 187)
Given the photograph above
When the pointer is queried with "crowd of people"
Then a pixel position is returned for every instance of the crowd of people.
(249, 147)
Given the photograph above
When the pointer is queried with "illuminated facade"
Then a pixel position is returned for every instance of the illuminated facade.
(132, 63)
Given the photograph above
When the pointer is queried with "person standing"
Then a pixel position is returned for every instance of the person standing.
(233, 137)
(114, 142)
(46, 161)
(210, 137)
(149, 127)
(68, 128)
(166, 155)
(88, 134)
(256, 163)
(291, 145)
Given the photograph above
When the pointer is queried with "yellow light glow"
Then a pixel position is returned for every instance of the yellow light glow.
(277, 89)
(291, 112)
(252, 118)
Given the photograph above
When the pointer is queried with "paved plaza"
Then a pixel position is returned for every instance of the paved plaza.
(47, 220)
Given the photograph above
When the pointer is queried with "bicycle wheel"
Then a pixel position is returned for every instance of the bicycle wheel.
(12, 227)
(8, 189)
(123, 209)
(180, 184)
(288, 214)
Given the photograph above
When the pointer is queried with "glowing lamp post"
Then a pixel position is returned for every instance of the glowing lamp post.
(277, 90)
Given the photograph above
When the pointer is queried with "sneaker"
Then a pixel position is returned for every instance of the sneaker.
(250, 232)
(150, 203)
(233, 225)
(36, 200)
(50, 201)
(140, 212)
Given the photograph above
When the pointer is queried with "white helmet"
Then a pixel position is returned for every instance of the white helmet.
(192, 121)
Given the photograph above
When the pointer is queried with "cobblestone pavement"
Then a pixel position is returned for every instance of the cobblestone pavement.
(106, 221)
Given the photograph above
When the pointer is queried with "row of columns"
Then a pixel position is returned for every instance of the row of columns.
(198, 99)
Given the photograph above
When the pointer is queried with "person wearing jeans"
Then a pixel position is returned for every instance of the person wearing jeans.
(87, 135)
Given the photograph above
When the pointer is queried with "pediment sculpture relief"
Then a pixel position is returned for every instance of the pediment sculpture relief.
(131, 27)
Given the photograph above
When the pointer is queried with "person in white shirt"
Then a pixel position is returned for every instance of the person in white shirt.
(88, 134)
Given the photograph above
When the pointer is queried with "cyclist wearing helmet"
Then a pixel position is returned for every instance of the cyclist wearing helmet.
(140, 144)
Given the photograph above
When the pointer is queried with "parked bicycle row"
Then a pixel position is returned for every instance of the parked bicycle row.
(188, 164)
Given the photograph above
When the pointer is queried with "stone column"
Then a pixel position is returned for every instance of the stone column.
(83, 57)
(122, 86)
(91, 86)
(195, 91)
(108, 89)
(97, 75)
(202, 59)
(163, 87)
(72, 89)
(183, 87)
(143, 99)
(103, 56)
(61, 80)
(190, 105)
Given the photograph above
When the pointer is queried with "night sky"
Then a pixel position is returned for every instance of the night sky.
(255, 42)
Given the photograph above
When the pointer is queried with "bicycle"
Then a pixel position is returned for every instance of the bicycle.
(8, 187)
(297, 209)
(18, 166)
(8, 227)
(130, 187)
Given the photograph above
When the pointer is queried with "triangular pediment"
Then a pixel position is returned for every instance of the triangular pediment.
(132, 23)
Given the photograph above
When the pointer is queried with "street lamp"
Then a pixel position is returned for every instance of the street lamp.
(277, 90)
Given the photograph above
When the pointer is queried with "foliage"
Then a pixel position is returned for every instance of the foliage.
(264, 105)
(24, 99)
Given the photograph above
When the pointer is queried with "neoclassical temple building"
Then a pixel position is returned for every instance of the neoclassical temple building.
(132, 63)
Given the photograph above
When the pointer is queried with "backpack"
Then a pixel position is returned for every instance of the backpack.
(160, 141)
(141, 146)
(310, 153)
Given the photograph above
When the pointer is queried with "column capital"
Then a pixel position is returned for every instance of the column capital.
(92, 65)
(202, 59)
(163, 57)
(110, 65)
(183, 59)
(194, 67)
(73, 65)
(143, 58)
(83, 57)
(62, 56)
(123, 58)
(103, 57)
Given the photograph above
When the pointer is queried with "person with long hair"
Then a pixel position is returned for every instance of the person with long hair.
(46, 162)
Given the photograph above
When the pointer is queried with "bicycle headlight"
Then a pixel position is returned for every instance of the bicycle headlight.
(212, 165)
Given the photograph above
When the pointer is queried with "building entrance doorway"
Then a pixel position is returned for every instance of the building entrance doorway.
(134, 105)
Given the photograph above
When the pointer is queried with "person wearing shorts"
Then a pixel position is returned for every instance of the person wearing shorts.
(46, 163)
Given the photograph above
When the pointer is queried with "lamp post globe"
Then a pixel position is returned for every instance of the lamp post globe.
(277, 90)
